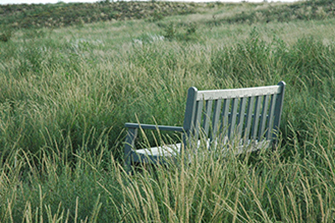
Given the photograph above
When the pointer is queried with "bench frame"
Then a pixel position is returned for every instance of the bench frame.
(216, 114)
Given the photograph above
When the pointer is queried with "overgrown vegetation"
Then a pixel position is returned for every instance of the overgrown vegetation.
(67, 92)
(172, 32)
(309, 10)
(62, 14)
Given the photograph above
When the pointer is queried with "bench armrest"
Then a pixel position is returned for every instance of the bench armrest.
(154, 127)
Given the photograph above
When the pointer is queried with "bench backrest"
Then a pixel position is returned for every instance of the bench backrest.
(246, 113)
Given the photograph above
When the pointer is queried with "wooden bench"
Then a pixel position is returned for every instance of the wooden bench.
(247, 119)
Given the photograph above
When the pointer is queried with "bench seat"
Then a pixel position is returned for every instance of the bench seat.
(154, 154)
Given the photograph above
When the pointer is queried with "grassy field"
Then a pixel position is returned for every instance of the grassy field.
(67, 90)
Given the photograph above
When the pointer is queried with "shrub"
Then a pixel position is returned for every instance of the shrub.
(6, 34)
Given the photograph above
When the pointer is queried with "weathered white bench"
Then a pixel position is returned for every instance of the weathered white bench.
(246, 119)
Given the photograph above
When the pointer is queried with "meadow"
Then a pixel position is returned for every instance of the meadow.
(66, 92)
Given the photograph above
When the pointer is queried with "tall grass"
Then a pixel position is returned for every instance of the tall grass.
(212, 188)
(66, 95)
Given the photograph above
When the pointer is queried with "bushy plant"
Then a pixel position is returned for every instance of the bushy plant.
(6, 34)
(172, 32)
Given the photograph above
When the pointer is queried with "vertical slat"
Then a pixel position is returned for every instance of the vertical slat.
(189, 115)
(225, 114)
(278, 109)
(249, 118)
(241, 115)
(216, 117)
(207, 116)
(197, 120)
(256, 118)
(232, 120)
(270, 119)
(263, 117)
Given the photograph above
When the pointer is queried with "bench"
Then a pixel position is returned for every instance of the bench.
(246, 119)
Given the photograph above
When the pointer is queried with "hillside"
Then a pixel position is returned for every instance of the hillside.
(61, 14)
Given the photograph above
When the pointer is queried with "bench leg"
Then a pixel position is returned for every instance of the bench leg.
(128, 148)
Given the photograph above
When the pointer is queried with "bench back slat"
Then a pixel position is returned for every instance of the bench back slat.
(207, 116)
(232, 120)
(197, 121)
(216, 118)
(256, 118)
(264, 116)
(248, 120)
(225, 113)
(241, 116)
(271, 114)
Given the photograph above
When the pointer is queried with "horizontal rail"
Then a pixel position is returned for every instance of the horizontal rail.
(238, 93)
(154, 127)
(245, 115)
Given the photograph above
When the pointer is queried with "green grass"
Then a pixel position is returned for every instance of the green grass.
(66, 93)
